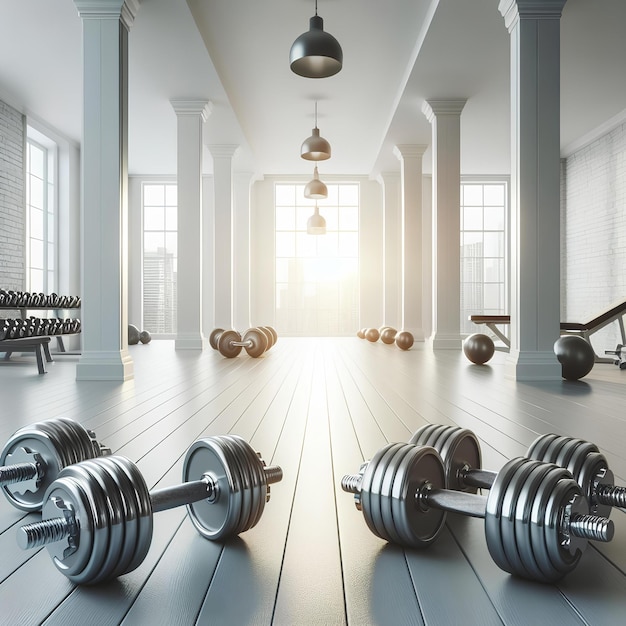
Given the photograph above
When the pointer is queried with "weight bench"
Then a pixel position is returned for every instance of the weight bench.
(38, 345)
(615, 313)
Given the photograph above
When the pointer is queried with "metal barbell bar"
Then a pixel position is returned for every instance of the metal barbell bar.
(536, 516)
(34, 455)
(97, 516)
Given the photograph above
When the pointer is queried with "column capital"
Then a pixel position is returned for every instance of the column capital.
(448, 106)
(387, 178)
(125, 10)
(409, 150)
(191, 106)
(514, 10)
(223, 151)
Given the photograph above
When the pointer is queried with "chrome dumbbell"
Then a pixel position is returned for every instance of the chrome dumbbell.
(460, 452)
(536, 517)
(97, 516)
(34, 455)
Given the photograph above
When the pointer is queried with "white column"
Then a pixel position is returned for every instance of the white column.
(241, 252)
(445, 119)
(410, 157)
(392, 253)
(223, 245)
(535, 206)
(104, 310)
(191, 115)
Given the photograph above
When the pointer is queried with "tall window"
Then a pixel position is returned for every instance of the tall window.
(41, 213)
(483, 250)
(160, 257)
(317, 275)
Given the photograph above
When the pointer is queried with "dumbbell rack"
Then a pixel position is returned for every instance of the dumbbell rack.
(23, 310)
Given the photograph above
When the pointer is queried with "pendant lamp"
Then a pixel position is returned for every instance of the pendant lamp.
(315, 188)
(316, 53)
(315, 148)
(316, 224)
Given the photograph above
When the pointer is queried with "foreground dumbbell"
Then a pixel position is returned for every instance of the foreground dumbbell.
(230, 343)
(536, 521)
(460, 452)
(97, 516)
(34, 455)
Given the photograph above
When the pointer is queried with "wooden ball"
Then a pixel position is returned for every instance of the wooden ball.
(372, 334)
(361, 333)
(388, 335)
(404, 340)
(478, 348)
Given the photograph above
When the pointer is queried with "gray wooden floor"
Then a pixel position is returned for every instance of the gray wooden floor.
(317, 408)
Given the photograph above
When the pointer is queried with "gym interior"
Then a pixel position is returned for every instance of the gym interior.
(246, 380)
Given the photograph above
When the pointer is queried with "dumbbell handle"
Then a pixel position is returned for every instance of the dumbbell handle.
(590, 527)
(244, 344)
(57, 528)
(19, 472)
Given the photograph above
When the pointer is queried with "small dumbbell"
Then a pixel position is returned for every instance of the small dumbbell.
(34, 455)
(98, 515)
(230, 343)
(460, 452)
(372, 334)
(536, 520)
(388, 335)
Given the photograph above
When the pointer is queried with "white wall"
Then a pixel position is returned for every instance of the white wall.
(594, 232)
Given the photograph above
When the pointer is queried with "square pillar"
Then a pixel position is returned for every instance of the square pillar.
(191, 115)
(392, 253)
(535, 187)
(410, 157)
(104, 190)
(223, 214)
(445, 119)
(241, 251)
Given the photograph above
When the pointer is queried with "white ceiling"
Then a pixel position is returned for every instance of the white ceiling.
(235, 53)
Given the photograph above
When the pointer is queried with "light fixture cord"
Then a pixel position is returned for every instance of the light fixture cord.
(316, 114)
(316, 8)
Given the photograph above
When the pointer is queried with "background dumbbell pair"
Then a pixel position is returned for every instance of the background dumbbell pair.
(97, 512)
(256, 341)
(388, 335)
(537, 517)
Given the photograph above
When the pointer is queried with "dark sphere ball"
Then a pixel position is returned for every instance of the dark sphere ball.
(478, 348)
(575, 355)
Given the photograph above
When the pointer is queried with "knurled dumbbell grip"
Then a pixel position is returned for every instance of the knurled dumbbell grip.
(611, 495)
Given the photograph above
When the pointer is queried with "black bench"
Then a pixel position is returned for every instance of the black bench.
(38, 345)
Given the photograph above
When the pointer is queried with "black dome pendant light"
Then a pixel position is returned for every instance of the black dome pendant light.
(316, 53)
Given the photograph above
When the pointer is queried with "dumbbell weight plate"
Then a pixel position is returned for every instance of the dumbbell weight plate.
(59, 435)
(31, 438)
(258, 340)
(268, 336)
(66, 490)
(129, 512)
(417, 527)
(224, 344)
(101, 482)
(139, 492)
(511, 544)
(530, 567)
(564, 558)
(594, 465)
(214, 337)
(386, 501)
(493, 513)
(537, 449)
(241, 475)
(216, 519)
(273, 333)
(375, 486)
(259, 484)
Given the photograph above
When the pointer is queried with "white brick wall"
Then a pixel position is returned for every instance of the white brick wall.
(11, 198)
(594, 232)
